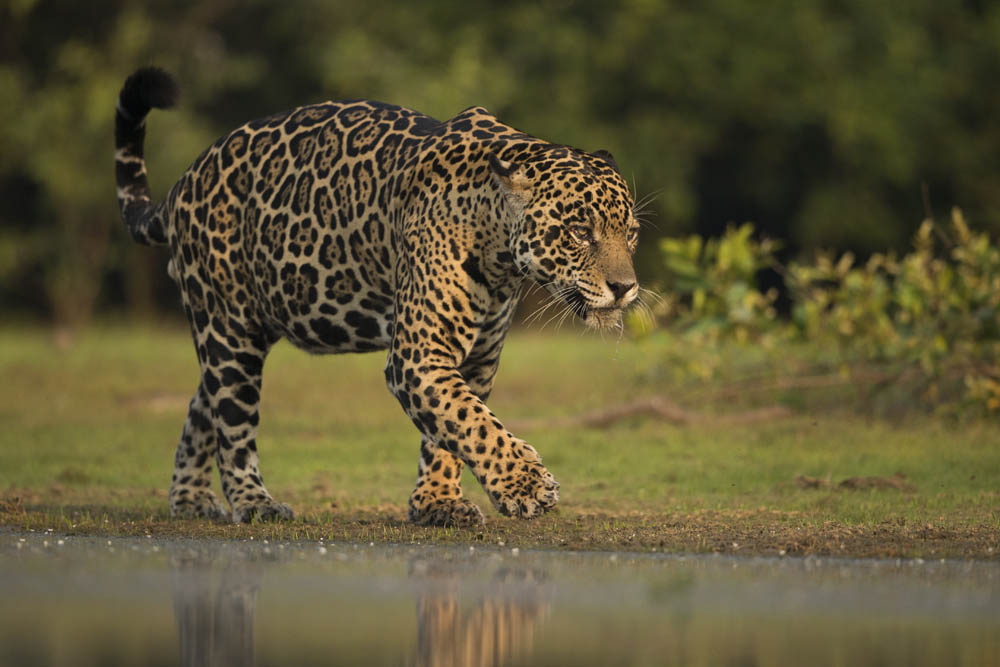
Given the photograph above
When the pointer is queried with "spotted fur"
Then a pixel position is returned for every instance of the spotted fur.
(358, 226)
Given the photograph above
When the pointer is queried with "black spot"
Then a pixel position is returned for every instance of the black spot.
(269, 120)
(248, 394)
(210, 382)
(429, 422)
(200, 421)
(329, 333)
(471, 266)
(217, 351)
(301, 333)
(364, 326)
(193, 287)
(232, 376)
(425, 125)
(200, 318)
(251, 363)
(231, 413)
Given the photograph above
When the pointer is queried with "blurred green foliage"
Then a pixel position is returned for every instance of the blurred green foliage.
(819, 119)
(712, 319)
(713, 284)
(925, 324)
(931, 316)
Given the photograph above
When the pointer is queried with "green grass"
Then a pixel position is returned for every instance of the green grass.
(96, 425)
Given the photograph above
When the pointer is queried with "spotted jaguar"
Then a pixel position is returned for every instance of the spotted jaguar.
(354, 226)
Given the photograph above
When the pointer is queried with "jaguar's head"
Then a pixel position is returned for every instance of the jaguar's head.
(573, 229)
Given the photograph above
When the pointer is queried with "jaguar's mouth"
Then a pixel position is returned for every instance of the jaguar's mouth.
(597, 318)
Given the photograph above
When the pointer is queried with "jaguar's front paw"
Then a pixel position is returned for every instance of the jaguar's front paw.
(445, 512)
(196, 503)
(526, 491)
(266, 509)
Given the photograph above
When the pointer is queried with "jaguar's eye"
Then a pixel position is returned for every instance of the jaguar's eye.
(582, 233)
(632, 236)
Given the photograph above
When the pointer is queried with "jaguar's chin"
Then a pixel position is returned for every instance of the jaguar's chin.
(603, 318)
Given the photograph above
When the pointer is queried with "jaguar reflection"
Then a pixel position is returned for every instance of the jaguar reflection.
(214, 605)
(493, 627)
(468, 611)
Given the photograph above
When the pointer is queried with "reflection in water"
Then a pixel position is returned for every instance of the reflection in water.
(69, 601)
(494, 627)
(465, 614)
(214, 602)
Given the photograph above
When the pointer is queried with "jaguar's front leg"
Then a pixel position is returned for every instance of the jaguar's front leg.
(437, 499)
(442, 405)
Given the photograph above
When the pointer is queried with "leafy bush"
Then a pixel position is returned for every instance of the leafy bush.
(715, 280)
(924, 326)
(713, 318)
(930, 318)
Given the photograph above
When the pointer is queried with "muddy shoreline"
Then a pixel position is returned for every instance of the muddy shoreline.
(746, 533)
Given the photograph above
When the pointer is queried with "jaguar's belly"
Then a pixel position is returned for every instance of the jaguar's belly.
(360, 322)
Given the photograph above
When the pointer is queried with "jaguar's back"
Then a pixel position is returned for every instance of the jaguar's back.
(291, 219)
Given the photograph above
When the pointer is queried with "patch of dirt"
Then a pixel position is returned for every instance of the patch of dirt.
(73, 475)
(760, 532)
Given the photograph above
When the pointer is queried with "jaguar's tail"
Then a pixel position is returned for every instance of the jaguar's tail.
(147, 88)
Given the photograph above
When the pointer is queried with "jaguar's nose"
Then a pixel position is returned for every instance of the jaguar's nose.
(620, 289)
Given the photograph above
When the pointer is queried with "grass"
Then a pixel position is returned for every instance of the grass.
(88, 434)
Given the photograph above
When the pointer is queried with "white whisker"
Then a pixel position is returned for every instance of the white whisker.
(653, 294)
(648, 199)
(561, 312)
(569, 311)
(645, 313)
(541, 310)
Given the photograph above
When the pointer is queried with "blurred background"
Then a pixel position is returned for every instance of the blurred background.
(836, 124)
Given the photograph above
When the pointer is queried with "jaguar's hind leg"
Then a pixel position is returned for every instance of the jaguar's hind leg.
(190, 492)
(231, 375)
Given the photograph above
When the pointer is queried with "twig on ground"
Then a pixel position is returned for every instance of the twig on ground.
(658, 407)
(897, 481)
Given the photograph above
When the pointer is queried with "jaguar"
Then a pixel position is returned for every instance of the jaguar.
(354, 226)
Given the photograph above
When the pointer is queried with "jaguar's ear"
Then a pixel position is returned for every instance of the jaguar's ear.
(511, 178)
(607, 157)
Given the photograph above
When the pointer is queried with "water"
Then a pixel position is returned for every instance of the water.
(99, 601)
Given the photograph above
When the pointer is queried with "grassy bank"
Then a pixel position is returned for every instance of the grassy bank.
(88, 434)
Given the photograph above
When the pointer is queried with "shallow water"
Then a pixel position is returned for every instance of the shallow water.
(99, 601)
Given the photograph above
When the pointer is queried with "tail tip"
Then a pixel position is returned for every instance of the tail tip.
(148, 88)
